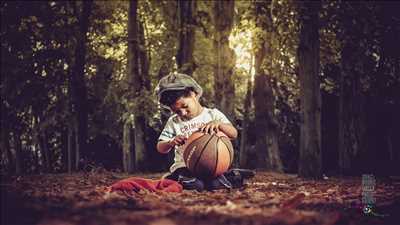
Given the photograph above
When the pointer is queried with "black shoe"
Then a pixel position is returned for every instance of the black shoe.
(245, 173)
(237, 176)
(191, 183)
(219, 182)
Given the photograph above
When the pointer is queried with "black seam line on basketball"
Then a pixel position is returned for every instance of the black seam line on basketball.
(230, 154)
(201, 153)
(191, 143)
(189, 146)
(216, 152)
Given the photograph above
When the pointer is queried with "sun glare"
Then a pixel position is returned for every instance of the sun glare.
(242, 45)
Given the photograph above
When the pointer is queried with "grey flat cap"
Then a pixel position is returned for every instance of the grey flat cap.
(177, 81)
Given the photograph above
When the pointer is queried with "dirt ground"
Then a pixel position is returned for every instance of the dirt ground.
(268, 198)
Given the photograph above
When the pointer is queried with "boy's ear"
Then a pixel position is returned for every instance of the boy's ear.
(197, 96)
(193, 94)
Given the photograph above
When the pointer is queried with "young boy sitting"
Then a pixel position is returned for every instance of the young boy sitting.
(181, 94)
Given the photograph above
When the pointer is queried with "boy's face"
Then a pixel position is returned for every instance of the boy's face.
(187, 107)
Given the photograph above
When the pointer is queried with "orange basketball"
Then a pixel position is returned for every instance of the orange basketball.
(208, 155)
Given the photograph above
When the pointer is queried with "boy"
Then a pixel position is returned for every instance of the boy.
(181, 94)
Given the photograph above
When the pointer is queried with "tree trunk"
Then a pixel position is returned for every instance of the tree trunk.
(310, 161)
(140, 144)
(351, 115)
(223, 12)
(127, 148)
(45, 151)
(5, 146)
(36, 157)
(78, 82)
(137, 78)
(71, 147)
(76, 147)
(143, 61)
(133, 73)
(267, 126)
(18, 152)
(245, 126)
(140, 117)
(64, 147)
(184, 56)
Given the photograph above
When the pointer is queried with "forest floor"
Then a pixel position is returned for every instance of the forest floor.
(268, 198)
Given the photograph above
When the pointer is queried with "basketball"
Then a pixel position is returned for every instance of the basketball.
(207, 155)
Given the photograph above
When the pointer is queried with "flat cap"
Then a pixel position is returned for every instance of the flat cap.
(177, 81)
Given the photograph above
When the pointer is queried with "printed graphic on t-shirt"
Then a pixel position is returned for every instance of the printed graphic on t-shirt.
(188, 129)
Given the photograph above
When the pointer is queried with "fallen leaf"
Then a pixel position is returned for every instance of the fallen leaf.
(163, 221)
(293, 202)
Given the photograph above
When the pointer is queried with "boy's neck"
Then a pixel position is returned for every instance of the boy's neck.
(200, 110)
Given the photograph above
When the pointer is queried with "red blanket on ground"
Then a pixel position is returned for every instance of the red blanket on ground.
(136, 184)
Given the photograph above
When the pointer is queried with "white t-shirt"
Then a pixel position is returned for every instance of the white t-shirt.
(175, 126)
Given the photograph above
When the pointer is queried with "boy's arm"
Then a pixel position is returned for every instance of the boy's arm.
(229, 130)
(166, 146)
(216, 126)
(220, 123)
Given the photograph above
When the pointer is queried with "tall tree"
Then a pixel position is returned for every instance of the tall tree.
(133, 74)
(18, 151)
(137, 74)
(310, 161)
(264, 101)
(127, 153)
(78, 85)
(352, 121)
(186, 38)
(223, 13)
(243, 150)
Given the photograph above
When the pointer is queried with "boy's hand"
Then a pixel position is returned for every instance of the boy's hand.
(211, 127)
(177, 140)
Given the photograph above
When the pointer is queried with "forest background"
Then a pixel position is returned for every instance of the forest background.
(313, 87)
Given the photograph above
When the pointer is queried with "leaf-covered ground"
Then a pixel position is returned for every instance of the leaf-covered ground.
(268, 198)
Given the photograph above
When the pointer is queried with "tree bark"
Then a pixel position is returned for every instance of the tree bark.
(45, 151)
(71, 147)
(138, 76)
(266, 123)
(64, 153)
(18, 151)
(223, 12)
(5, 146)
(133, 70)
(186, 38)
(310, 161)
(78, 82)
(140, 144)
(127, 159)
(245, 126)
(351, 115)
(140, 118)
(267, 126)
